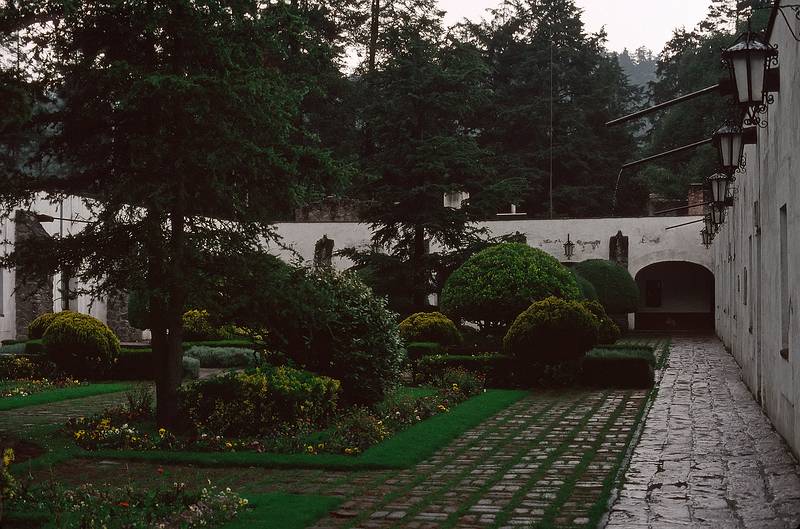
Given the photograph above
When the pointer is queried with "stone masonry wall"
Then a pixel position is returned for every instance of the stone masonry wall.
(117, 318)
(34, 296)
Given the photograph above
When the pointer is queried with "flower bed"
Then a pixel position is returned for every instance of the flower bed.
(27, 387)
(163, 506)
(350, 431)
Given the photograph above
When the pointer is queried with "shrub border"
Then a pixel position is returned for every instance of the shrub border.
(403, 450)
(62, 394)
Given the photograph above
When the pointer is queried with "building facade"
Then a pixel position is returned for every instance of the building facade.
(757, 251)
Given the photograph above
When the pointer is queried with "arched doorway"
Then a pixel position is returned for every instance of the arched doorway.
(675, 295)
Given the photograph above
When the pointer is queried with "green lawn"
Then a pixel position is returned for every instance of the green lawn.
(57, 395)
(400, 451)
(282, 511)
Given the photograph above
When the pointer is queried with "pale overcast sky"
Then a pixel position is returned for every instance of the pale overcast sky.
(629, 23)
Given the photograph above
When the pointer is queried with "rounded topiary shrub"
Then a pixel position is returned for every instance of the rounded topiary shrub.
(81, 345)
(429, 327)
(37, 327)
(588, 291)
(551, 331)
(498, 283)
(608, 332)
(616, 289)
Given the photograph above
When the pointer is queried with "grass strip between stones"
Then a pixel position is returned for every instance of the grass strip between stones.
(568, 487)
(453, 518)
(430, 498)
(403, 450)
(61, 394)
(421, 477)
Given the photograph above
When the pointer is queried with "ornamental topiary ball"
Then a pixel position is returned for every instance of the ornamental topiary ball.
(37, 327)
(616, 289)
(551, 331)
(429, 327)
(587, 289)
(81, 345)
(496, 284)
(608, 331)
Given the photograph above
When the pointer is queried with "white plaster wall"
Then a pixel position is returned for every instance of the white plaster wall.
(772, 179)
(649, 242)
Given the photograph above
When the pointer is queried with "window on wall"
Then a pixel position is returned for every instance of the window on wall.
(653, 293)
(744, 286)
(785, 314)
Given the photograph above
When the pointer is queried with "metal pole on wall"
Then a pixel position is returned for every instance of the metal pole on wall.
(551, 124)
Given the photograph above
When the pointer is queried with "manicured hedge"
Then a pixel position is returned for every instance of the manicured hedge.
(621, 367)
(497, 368)
(616, 289)
(218, 357)
(418, 350)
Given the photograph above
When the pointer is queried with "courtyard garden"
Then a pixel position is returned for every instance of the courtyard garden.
(522, 394)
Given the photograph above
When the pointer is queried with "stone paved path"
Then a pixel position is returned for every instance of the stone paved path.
(708, 456)
(541, 461)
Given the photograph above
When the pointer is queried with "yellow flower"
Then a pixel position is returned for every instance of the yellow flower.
(8, 456)
(162, 432)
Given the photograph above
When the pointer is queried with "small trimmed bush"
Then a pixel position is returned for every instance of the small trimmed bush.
(191, 367)
(623, 367)
(496, 284)
(197, 326)
(616, 289)
(223, 356)
(587, 289)
(607, 332)
(551, 331)
(37, 327)
(258, 402)
(429, 327)
(81, 345)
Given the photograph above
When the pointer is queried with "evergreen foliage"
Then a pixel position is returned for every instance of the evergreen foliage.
(191, 125)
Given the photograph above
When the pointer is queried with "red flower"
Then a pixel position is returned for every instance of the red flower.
(160, 470)
(124, 504)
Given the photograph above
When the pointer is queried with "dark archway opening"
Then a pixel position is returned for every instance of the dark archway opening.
(675, 295)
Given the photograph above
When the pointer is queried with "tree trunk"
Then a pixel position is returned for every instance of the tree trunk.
(374, 29)
(419, 273)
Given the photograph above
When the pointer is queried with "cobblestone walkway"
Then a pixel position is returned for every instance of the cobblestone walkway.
(56, 413)
(542, 461)
(708, 456)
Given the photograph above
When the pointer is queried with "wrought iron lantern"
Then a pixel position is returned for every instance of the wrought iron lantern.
(569, 248)
(718, 212)
(707, 237)
(748, 61)
(730, 140)
(710, 227)
(720, 185)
